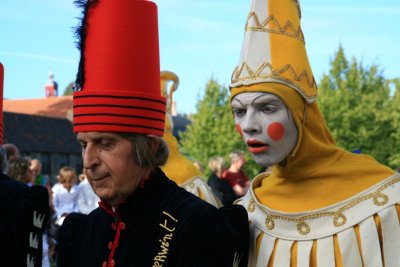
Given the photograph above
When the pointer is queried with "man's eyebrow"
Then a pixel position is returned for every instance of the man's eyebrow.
(237, 100)
(103, 138)
(266, 99)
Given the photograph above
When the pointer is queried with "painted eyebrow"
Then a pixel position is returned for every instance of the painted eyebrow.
(237, 100)
(270, 100)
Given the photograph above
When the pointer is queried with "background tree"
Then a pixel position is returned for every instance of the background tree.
(360, 110)
(69, 89)
(212, 132)
(394, 158)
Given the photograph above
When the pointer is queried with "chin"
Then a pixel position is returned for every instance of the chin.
(262, 160)
(266, 160)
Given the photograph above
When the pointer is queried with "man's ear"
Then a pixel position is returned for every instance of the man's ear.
(154, 144)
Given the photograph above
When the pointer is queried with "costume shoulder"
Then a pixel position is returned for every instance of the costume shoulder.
(201, 189)
(25, 212)
(364, 228)
(67, 234)
(226, 238)
(223, 234)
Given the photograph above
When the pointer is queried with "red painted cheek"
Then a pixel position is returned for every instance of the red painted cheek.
(238, 129)
(276, 131)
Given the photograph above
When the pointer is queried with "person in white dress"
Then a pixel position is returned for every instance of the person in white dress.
(87, 199)
(65, 193)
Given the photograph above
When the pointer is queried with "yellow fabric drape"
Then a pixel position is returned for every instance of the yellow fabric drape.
(317, 173)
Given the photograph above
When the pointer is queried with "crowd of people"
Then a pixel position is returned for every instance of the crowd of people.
(67, 195)
(228, 183)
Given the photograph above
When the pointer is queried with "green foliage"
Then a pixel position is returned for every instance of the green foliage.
(69, 89)
(212, 132)
(360, 110)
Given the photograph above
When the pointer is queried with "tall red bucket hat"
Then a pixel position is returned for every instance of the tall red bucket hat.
(118, 82)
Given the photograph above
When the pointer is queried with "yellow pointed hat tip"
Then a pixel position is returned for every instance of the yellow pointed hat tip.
(273, 50)
(178, 168)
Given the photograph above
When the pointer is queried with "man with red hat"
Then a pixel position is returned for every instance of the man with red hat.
(144, 219)
(24, 213)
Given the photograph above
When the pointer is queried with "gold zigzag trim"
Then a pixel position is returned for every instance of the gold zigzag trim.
(338, 216)
(274, 74)
(288, 29)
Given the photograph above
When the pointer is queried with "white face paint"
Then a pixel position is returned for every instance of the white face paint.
(266, 125)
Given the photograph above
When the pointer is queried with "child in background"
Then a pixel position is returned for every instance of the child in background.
(65, 193)
(87, 200)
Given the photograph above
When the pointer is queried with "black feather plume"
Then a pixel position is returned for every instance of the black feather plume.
(80, 34)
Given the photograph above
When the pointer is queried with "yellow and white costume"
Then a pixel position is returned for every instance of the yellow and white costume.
(325, 206)
(178, 168)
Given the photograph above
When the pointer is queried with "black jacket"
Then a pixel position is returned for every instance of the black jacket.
(222, 189)
(24, 215)
(159, 225)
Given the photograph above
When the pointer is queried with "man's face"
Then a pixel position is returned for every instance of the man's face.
(28, 177)
(68, 183)
(109, 165)
(266, 126)
(36, 167)
(241, 161)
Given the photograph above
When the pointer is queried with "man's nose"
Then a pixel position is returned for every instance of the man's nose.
(90, 157)
(250, 124)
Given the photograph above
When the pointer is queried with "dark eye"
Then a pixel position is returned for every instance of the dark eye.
(268, 108)
(238, 112)
(83, 144)
(106, 143)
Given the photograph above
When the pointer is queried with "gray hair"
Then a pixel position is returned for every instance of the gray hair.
(235, 155)
(18, 168)
(216, 165)
(147, 151)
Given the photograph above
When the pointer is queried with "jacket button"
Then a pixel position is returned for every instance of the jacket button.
(109, 245)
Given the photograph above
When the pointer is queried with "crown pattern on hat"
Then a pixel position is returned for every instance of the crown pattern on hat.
(272, 25)
(273, 49)
(262, 74)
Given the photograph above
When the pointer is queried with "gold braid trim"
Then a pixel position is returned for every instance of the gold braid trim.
(272, 25)
(275, 74)
(339, 219)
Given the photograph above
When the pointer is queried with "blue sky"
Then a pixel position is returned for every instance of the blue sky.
(198, 40)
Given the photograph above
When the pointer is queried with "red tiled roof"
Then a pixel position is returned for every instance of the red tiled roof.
(55, 107)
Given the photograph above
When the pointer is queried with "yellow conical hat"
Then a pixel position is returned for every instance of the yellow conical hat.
(178, 168)
(273, 50)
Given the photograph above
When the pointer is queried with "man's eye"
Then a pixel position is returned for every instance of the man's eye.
(238, 111)
(106, 143)
(83, 145)
(268, 108)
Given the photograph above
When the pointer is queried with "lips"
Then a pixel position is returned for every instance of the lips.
(255, 146)
(100, 177)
